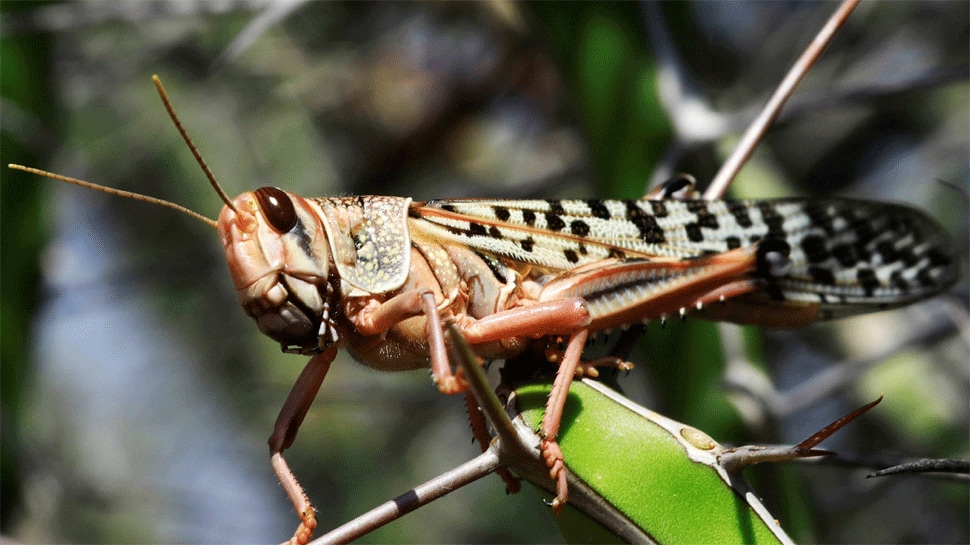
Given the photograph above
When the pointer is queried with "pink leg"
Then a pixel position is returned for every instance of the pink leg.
(545, 318)
(438, 352)
(551, 317)
(558, 317)
(377, 317)
(284, 433)
(693, 281)
(589, 368)
(553, 417)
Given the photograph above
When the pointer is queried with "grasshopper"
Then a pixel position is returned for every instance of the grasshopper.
(379, 275)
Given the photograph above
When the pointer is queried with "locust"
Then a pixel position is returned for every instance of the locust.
(380, 276)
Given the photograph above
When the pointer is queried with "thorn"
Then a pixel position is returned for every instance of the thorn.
(823, 433)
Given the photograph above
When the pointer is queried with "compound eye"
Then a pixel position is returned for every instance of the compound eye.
(277, 208)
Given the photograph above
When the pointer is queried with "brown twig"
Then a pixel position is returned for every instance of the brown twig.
(745, 148)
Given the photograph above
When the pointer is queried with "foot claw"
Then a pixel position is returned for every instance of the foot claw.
(452, 385)
(552, 455)
(308, 522)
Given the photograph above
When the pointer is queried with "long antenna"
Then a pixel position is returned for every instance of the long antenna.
(139, 196)
(195, 151)
(118, 192)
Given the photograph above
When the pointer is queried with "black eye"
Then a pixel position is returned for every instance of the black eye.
(277, 208)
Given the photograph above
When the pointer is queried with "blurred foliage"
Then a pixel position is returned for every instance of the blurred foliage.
(148, 395)
(22, 82)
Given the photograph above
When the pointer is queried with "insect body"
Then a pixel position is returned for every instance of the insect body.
(378, 276)
(314, 271)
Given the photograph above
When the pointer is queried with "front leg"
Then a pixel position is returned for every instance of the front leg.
(441, 373)
(284, 433)
(375, 317)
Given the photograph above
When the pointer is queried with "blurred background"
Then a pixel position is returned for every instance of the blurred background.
(137, 398)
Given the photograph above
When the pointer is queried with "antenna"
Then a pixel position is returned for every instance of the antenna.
(139, 196)
(195, 151)
(118, 192)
